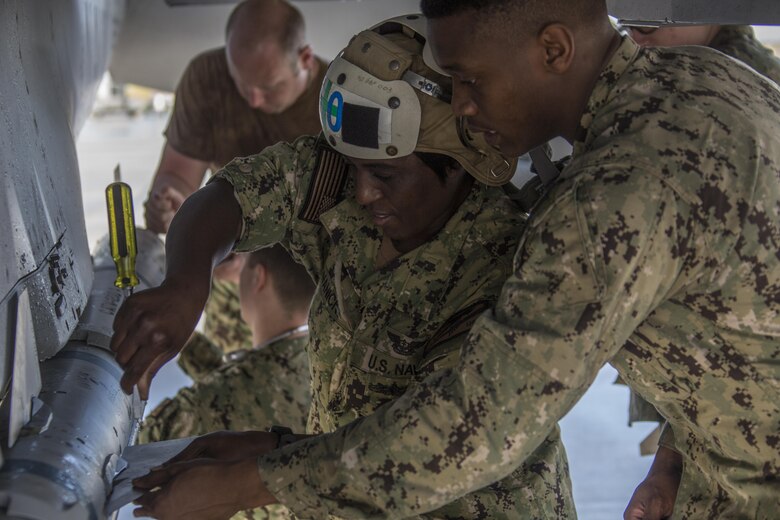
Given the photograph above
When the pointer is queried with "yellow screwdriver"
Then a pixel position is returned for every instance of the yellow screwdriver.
(121, 231)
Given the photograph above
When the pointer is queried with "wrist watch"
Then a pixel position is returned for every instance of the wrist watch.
(285, 434)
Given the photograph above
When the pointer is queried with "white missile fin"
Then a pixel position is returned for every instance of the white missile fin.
(26, 382)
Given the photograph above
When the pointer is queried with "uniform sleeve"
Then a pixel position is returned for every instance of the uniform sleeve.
(667, 439)
(740, 42)
(199, 357)
(269, 187)
(189, 130)
(591, 267)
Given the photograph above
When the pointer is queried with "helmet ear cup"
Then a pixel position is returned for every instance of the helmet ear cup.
(382, 99)
(365, 116)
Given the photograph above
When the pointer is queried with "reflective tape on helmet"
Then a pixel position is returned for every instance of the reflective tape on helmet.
(334, 111)
(365, 117)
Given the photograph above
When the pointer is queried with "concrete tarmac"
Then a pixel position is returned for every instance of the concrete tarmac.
(603, 451)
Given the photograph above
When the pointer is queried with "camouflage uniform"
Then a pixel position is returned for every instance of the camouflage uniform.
(200, 357)
(657, 249)
(222, 323)
(212, 123)
(269, 386)
(375, 333)
(737, 41)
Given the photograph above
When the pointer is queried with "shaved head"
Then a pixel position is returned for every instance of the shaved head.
(267, 55)
(524, 17)
(256, 23)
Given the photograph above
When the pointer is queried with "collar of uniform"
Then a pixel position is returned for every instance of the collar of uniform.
(353, 236)
(623, 57)
(429, 265)
(285, 345)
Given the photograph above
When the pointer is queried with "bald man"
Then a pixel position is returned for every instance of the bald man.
(234, 101)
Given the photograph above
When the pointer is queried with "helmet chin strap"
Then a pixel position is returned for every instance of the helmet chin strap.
(500, 170)
(545, 168)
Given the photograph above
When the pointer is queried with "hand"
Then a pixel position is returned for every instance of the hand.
(654, 498)
(161, 206)
(202, 489)
(226, 445)
(229, 269)
(152, 326)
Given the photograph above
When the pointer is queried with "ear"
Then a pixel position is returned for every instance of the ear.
(306, 57)
(557, 42)
(455, 170)
(259, 278)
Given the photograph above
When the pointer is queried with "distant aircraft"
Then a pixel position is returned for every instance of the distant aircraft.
(65, 422)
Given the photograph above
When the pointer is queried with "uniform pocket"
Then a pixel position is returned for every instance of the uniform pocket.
(377, 374)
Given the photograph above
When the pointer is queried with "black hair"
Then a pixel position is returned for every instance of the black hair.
(532, 15)
(438, 163)
(442, 8)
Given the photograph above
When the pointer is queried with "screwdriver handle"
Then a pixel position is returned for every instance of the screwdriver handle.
(121, 228)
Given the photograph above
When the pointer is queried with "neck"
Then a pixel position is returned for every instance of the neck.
(387, 253)
(269, 324)
(461, 191)
(600, 47)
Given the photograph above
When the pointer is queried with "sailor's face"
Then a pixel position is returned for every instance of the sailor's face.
(494, 87)
(406, 199)
(269, 80)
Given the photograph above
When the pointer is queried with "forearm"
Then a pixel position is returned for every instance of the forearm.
(559, 319)
(178, 171)
(441, 440)
(169, 179)
(202, 233)
(666, 462)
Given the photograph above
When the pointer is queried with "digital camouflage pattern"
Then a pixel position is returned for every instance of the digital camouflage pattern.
(374, 333)
(658, 248)
(212, 123)
(737, 41)
(269, 386)
(222, 323)
(199, 357)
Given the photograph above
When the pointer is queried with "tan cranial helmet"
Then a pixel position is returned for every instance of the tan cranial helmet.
(384, 97)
